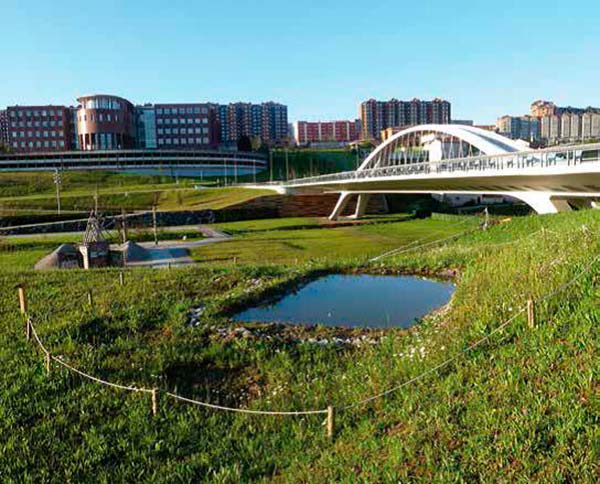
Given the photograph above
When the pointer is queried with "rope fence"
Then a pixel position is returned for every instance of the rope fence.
(529, 309)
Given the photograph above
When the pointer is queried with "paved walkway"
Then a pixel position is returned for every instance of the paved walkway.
(175, 252)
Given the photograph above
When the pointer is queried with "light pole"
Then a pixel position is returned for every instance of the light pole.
(57, 182)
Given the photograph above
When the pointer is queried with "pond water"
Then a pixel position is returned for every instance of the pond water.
(355, 301)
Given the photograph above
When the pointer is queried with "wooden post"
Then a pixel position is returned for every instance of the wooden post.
(124, 234)
(154, 402)
(169, 266)
(90, 298)
(234, 261)
(48, 363)
(330, 421)
(154, 224)
(122, 278)
(531, 312)
(22, 300)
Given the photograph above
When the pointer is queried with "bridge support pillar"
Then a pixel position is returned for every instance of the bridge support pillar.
(361, 205)
(341, 204)
(542, 202)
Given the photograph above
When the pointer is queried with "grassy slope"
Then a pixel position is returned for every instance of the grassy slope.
(301, 162)
(525, 406)
(20, 193)
(288, 246)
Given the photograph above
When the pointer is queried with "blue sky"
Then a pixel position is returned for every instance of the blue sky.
(320, 58)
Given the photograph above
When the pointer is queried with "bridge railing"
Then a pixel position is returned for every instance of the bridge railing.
(546, 158)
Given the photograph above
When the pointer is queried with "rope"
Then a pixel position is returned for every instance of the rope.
(98, 380)
(563, 286)
(244, 410)
(406, 246)
(446, 362)
(403, 250)
(437, 367)
(37, 338)
(510, 242)
(416, 378)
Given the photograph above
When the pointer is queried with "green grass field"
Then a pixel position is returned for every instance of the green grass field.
(22, 194)
(523, 406)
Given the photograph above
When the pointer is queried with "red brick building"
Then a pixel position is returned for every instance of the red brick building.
(325, 131)
(186, 126)
(3, 128)
(38, 128)
(105, 122)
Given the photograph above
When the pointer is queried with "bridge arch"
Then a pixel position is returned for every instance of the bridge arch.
(454, 140)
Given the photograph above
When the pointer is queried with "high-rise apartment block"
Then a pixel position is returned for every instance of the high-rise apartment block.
(326, 131)
(551, 124)
(377, 116)
(519, 127)
(542, 108)
(267, 121)
(106, 122)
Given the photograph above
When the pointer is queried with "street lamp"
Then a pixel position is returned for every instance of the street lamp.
(58, 182)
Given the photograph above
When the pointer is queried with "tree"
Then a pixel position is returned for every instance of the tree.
(244, 143)
(4, 148)
(256, 143)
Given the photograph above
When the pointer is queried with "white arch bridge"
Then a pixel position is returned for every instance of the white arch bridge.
(455, 159)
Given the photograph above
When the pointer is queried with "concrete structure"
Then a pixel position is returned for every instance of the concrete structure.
(547, 179)
(378, 115)
(38, 128)
(208, 162)
(105, 122)
(344, 131)
(267, 121)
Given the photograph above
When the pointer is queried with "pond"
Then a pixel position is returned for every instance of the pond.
(355, 301)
